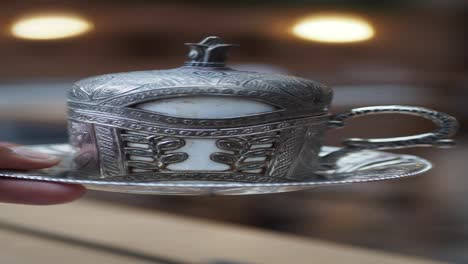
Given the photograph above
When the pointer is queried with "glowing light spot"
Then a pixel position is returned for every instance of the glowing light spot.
(333, 29)
(47, 27)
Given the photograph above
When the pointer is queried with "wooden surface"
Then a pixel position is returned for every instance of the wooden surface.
(23, 248)
(94, 232)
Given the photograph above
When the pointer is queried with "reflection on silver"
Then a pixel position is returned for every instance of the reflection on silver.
(351, 167)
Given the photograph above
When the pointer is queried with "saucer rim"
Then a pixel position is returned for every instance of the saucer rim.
(426, 166)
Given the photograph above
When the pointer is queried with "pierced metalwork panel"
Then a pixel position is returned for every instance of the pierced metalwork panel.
(247, 154)
(151, 153)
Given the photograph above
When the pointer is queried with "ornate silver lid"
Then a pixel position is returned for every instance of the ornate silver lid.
(206, 74)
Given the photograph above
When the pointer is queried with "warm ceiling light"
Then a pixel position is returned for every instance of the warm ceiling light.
(45, 27)
(333, 29)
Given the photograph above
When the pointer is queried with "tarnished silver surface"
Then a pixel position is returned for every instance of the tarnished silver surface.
(351, 167)
(277, 146)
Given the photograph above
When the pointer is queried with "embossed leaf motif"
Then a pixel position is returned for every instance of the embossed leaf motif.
(156, 148)
(260, 152)
(103, 87)
(173, 157)
(107, 91)
(78, 93)
(139, 152)
(259, 148)
(103, 92)
(85, 89)
(260, 85)
(232, 144)
(142, 165)
(222, 157)
(252, 165)
(170, 144)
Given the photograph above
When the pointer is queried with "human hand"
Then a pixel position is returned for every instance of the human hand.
(32, 192)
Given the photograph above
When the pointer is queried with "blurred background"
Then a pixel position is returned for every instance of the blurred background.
(371, 52)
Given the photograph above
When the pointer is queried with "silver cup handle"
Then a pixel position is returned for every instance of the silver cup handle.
(447, 126)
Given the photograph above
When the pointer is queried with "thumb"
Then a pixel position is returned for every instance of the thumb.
(20, 158)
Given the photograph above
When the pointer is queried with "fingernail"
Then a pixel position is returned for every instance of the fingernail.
(26, 153)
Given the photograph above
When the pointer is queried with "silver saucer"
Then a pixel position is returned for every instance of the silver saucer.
(350, 167)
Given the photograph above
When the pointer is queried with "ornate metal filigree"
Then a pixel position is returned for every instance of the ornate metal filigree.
(117, 139)
(151, 153)
(246, 154)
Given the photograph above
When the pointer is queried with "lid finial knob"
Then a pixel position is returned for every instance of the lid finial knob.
(210, 52)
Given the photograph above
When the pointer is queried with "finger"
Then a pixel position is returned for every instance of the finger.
(24, 159)
(38, 193)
